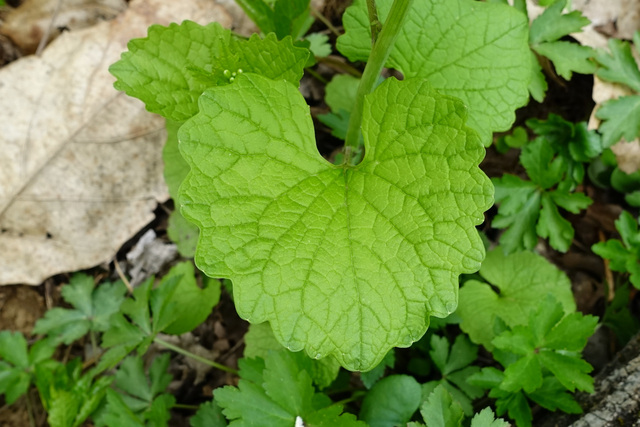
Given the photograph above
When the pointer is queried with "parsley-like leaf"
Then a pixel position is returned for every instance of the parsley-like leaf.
(618, 65)
(93, 307)
(530, 208)
(623, 255)
(621, 117)
(440, 410)
(259, 341)
(150, 310)
(454, 365)
(209, 415)
(550, 340)
(278, 392)
(18, 363)
(68, 396)
(546, 32)
(472, 50)
(342, 260)
(486, 418)
(143, 396)
(521, 278)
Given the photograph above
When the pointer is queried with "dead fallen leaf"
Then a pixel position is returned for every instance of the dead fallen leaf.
(149, 256)
(27, 24)
(613, 18)
(81, 168)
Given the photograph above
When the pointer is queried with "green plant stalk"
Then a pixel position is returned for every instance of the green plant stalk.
(374, 21)
(379, 54)
(194, 356)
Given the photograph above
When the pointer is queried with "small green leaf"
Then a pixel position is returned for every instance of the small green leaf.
(143, 398)
(371, 377)
(93, 308)
(279, 393)
(621, 119)
(291, 18)
(440, 410)
(518, 212)
(13, 349)
(486, 418)
(391, 401)
(525, 374)
(259, 341)
(209, 415)
(460, 46)
(623, 255)
(340, 96)
(552, 226)
(568, 57)
(183, 233)
(260, 12)
(552, 24)
(619, 66)
(342, 260)
(192, 303)
(553, 395)
(320, 46)
(572, 372)
(516, 406)
(522, 279)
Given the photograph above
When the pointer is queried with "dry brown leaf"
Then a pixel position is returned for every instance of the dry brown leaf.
(27, 24)
(614, 18)
(81, 168)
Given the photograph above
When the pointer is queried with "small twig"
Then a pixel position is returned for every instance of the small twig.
(184, 406)
(232, 350)
(32, 418)
(316, 75)
(355, 396)
(607, 272)
(339, 66)
(47, 34)
(194, 356)
(122, 276)
(320, 17)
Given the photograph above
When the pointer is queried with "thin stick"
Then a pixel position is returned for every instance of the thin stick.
(608, 275)
(339, 65)
(122, 276)
(47, 34)
(194, 356)
(316, 75)
(320, 17)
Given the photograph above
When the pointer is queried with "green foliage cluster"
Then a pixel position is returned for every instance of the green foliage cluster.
(336, 264)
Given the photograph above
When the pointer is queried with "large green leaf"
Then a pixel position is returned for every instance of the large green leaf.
(169, 69)
(342, 260)
(476, 51)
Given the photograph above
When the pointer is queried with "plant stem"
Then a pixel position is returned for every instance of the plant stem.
(355, 396)
(183, 406)
(379, 54)
(374, 22)
(320, 17)
(194, 356)
(316, 75)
